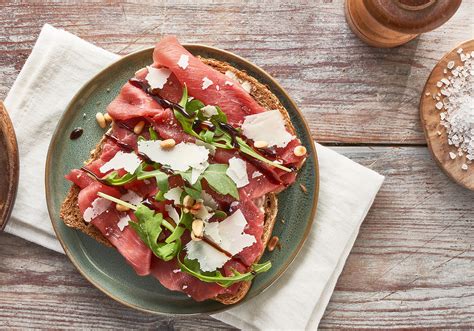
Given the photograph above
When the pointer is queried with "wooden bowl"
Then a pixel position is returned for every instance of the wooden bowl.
(9, 166)
(436, 135)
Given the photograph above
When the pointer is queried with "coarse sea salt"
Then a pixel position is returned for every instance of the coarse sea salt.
(457, 107)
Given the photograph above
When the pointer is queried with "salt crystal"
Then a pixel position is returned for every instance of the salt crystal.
(458, 103)
(439, 84)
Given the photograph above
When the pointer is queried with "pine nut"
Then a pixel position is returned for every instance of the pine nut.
(139, 127)
(272, 243)
(260, 144)
(168, 143)
(100, 120)
(195, 208)
(299, 150)
(194, 238)
(107, 117)
(198, 227)
(188, 201)
(121, 208)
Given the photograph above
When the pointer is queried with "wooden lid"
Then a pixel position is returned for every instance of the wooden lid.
(412, 16)
(9, 166)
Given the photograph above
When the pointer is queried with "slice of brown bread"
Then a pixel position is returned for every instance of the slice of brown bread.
(72, 217)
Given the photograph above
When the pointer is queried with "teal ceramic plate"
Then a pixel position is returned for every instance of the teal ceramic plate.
(104, 267)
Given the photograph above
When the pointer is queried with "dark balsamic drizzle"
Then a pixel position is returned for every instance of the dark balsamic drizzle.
(76, 133)
(223, 251)
(233, 132)
(163, 102)
(122, 145)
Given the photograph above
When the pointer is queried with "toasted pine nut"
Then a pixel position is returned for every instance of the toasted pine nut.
(299, 150)
(198, 227)
(193, 237)
(260, 144)
(195, 208)
(272, 243)
(188, 201)
(107, 117)
(122, 208)
(185, 210)
(138, 128)
(168, 143)
(100, 120)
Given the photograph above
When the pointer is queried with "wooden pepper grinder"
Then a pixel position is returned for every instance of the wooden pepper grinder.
(390, 23)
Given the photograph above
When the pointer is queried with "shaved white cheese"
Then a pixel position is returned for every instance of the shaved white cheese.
(256, 174)
(230, 74)
(174, 195)
(98, 206)
(212, 149)
(247, 86)
(123, 222)
(203, 213)
(237, 171)
(196, 171)
(172, 213)
(183, 61)
(157, 78)
(268, 126)
(228, 234)
(208, 200)
(209, 258)
(209, 111)
(132, 197)
(127, 161)
(180, 158)
(211, 230)
(206, 82)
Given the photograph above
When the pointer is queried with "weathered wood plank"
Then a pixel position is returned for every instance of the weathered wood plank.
(349, 92)
(412, 264)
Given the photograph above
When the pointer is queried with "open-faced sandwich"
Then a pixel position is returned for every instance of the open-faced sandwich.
(184, 182)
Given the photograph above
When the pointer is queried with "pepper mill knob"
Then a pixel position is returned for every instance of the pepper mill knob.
(391, 23)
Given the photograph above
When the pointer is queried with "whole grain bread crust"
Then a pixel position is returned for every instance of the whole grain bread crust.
(72, 217)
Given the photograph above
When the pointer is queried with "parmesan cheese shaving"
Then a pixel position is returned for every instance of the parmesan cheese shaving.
(157, 78)
(174, 195)
(132, 197)
(173, 214)
(268, 126)
(183, 61)
(228, 234)
(209, 111)
(237, 171)
(206, 82)
(98, 206)
(121, 160)
(123, 222)
(179, 158)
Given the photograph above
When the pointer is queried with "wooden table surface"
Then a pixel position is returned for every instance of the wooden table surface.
(413, 262)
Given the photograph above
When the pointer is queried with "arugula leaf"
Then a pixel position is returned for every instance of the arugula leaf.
(148, 228)
(193, 106)
(192, 267)
(195, 194)
(114, 179)
(216, 177)
(153, 134)
(186, 219)
(221, 116)
(160, 176)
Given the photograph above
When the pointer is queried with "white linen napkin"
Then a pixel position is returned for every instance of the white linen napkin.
(60, 64)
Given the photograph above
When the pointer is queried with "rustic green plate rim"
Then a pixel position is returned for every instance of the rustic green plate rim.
(308, 176)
